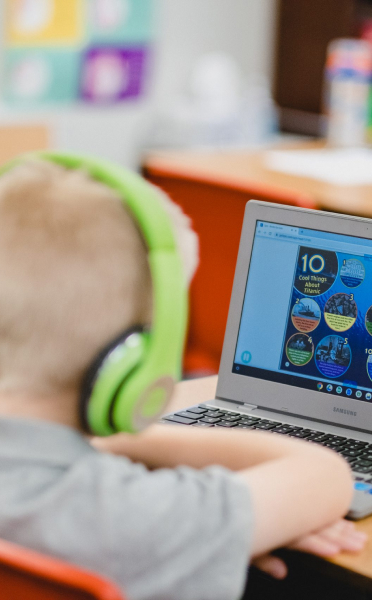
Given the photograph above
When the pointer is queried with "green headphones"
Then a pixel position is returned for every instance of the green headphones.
(129, 384)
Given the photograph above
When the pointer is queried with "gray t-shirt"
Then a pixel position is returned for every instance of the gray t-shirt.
(179, 534)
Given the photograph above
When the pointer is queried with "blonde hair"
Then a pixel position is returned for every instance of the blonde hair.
(73, 275)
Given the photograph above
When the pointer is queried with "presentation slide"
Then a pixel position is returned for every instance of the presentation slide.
(329, 320)
(307, 311)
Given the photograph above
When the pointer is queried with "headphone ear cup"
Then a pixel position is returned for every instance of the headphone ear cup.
(142, 400)
(106, 376)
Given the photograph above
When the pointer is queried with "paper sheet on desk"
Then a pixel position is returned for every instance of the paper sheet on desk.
(339, 167)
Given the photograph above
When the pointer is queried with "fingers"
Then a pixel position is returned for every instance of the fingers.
(345, 536)
(314, 544)
(271, 565)
(340, 536)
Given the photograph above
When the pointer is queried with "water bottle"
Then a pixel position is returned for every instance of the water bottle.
(348, 78)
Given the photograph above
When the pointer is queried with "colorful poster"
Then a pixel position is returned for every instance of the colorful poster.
(44, 22)
(112, 74)
(120, 21)
(36, 76)
(76, 50)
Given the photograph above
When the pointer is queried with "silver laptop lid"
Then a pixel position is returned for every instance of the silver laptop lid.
(299, 331)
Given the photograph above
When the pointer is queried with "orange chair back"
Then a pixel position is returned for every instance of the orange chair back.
(216, 209)
(28, 575)
(18, 139)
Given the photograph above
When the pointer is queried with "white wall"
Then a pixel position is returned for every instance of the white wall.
(243, 28)
(186, 30)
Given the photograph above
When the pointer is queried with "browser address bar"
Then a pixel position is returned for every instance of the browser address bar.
(326, 244)
(297, 238)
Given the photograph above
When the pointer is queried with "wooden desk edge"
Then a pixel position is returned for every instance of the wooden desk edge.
(195, 391)
(248, 169)
(161, 166)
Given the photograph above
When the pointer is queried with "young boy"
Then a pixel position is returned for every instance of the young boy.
(159, 520)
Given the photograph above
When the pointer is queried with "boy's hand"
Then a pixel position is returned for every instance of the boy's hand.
(338, 537)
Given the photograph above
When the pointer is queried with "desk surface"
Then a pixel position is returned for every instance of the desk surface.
(201, 390)
(242, 166)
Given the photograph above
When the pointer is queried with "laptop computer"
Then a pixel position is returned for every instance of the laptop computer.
(297, 353)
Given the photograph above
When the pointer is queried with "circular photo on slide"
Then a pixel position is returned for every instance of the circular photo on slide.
(333, 356)
(369, 366)
(316, 271)
(368, 320)
(340, 311)
(306, 315)
(352, 272)
(299, 349)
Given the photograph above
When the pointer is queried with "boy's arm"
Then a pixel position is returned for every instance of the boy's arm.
(295, 487)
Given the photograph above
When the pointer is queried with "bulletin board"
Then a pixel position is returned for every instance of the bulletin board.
(63, 51)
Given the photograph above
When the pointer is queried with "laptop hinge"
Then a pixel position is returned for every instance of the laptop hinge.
(250, 406)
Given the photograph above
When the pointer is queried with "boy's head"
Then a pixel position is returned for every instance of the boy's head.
(73, 275)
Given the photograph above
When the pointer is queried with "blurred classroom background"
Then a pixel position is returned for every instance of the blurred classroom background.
(171, 34)
(216, 101)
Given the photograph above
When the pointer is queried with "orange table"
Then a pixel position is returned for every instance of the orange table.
(247, 169)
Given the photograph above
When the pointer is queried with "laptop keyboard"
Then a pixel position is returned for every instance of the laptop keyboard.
(357, 453)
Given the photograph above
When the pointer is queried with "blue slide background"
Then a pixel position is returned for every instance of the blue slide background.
(266, 322)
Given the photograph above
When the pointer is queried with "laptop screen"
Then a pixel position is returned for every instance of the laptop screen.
(307, 311)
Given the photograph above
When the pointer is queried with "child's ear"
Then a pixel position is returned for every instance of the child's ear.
(186, 238)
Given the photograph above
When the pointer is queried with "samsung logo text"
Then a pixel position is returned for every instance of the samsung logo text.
(351, 413)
